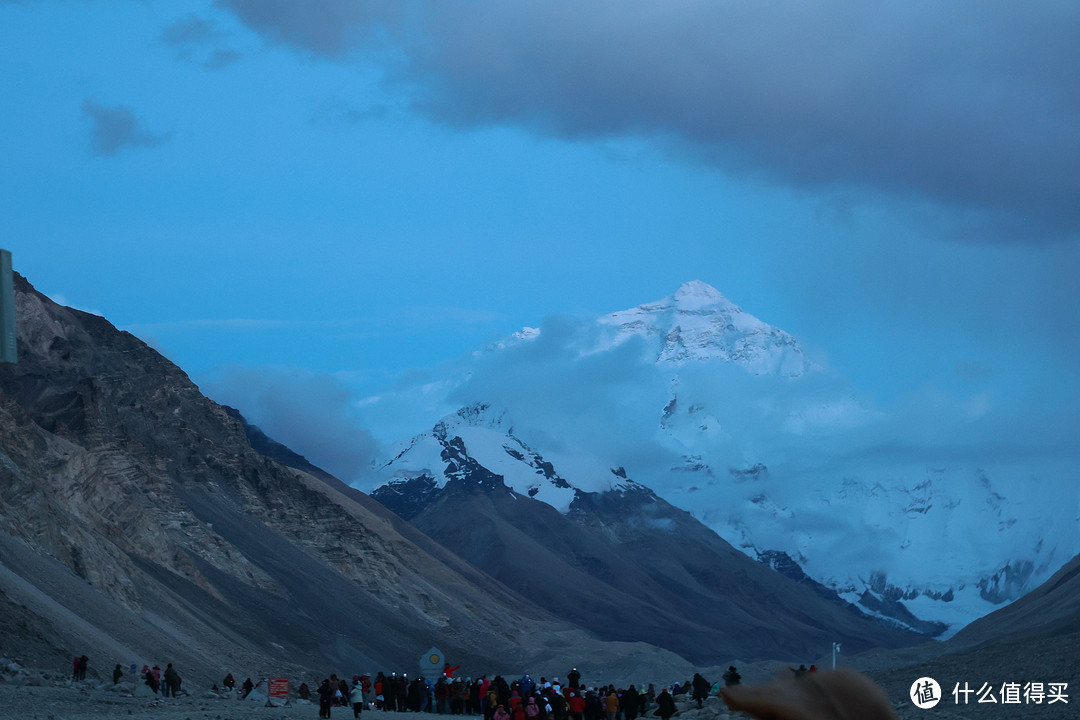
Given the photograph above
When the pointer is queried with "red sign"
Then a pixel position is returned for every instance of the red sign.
(279, 688)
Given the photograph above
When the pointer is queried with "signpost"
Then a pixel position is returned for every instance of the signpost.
(279, 688)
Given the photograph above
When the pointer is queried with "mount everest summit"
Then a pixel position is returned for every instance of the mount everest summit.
(697, 323)
(727, 418)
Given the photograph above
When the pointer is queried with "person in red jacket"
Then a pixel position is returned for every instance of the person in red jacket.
(576, 705)
(380, 685)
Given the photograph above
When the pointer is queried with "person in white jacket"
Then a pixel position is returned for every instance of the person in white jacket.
(356, 695)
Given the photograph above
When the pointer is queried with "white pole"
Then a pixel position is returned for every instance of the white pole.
(835, 650)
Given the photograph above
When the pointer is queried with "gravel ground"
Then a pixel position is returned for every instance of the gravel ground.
(28, 695)
(1046, 660)
(72, 703)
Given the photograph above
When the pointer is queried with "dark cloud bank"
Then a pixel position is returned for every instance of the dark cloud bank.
(967, 107)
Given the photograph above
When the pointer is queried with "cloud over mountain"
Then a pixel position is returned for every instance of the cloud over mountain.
(310, 410)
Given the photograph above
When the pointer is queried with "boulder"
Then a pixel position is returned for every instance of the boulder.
(255, 696)
(143, 690)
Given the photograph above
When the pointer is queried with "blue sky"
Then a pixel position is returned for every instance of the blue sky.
(317, 198)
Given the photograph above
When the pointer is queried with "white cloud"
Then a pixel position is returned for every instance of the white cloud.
(307, 412)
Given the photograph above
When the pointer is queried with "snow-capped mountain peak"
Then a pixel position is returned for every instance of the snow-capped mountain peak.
(697, 294)
(698, 323)
(716, 411)
(480, 415)
(480, 437)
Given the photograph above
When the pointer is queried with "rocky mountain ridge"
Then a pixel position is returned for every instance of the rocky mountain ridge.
(613, 557)
(137, 519)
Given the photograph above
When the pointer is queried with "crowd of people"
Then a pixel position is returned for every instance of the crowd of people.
(165, 682)
(498, 699)
(841, 693)
(492, 698)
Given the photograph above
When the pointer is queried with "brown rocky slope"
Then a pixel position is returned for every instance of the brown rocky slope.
(628, 565)
(138, 523)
